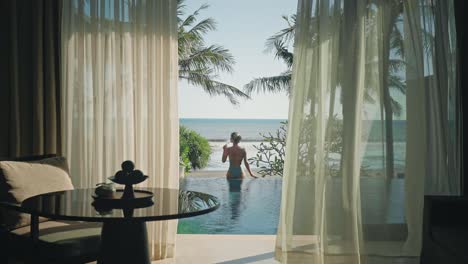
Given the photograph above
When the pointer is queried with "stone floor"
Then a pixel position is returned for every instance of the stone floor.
(225, 249)
(242, 249)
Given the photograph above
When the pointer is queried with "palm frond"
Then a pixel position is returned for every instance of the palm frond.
(205, 79)
(199, 77)
(428, 40)
(214, 56)
(285, 35)
(188, 42)
(203, 27)
(396, 65)
(273, 84)
(229, 91)
(368, 98)
(283, 53)
(396, 107)
(180, 10)
(397, 83)
(199, 64)
(190, 19)
(396, 42)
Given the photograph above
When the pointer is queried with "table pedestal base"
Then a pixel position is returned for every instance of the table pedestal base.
(124, 242)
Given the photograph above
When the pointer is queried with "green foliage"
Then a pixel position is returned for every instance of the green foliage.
(281, 44)
(270, 153)
(333, 146)
(184, 155)
(270, 157)
(194, 149)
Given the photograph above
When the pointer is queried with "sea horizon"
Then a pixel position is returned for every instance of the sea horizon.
(217, 131)
(220, 129)
(251, 129)
(229, 118)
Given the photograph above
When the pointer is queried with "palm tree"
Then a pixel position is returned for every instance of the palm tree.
(392, 67)
(279, 42)
(200, 64)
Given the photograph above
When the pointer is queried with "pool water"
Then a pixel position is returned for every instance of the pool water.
(250, 206)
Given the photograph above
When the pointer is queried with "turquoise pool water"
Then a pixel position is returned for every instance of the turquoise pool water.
(247, 207)
(252, 206)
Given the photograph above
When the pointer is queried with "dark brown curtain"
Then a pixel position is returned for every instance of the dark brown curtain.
(29, 77)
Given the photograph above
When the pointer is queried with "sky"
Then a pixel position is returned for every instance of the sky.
(242, 27)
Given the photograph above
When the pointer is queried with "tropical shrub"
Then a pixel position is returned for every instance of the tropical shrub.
(194, 150)
(270, 152)
(184, 156)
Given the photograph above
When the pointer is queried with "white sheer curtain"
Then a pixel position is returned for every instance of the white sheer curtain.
(372, 128)
(119, 68)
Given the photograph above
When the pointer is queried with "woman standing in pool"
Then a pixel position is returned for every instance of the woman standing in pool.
(236, 155)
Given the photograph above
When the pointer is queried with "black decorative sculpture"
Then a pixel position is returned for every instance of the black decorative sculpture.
(128, 176)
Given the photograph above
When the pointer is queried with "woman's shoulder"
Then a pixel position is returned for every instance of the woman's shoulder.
(237, 148)
(241, 148)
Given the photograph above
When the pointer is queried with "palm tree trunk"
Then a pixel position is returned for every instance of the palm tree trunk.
(388, 20)
(330, 126)
(312, 137)
(387, 101)
(331, 107)
(389, 169)
(352, 39)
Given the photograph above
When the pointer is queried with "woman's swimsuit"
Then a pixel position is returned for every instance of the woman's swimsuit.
(235, 171)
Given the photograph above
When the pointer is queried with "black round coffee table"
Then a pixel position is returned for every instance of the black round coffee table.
(123, 236)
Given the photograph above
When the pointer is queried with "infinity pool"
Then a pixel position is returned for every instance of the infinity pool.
(250, 206)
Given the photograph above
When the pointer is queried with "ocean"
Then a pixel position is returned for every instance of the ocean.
(218, 131)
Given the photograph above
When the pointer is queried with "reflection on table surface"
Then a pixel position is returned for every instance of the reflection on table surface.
(78, 205)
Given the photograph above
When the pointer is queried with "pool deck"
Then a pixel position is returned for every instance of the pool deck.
(246, 249)
(223, 249)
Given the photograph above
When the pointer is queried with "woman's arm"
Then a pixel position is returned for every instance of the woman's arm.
(225, 153)
(247, 165)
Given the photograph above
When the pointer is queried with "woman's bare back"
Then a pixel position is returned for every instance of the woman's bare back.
(236, 155)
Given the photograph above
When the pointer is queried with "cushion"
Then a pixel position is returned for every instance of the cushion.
(22, 180)
(452, 239)
(59, 239)
(59, 162)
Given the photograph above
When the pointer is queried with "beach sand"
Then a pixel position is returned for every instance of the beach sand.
(213, 173)
(206, 173)
(221, 173)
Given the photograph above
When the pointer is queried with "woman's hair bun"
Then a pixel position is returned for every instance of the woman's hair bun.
(236, 137)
